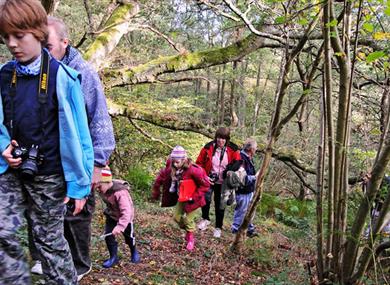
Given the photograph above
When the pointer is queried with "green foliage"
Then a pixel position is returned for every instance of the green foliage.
(280, 279)
(263, 255)
(139, 179)
(360, 158)
(291, 212)
(375, 56)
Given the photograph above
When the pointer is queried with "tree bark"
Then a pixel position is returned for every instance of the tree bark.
(50, 5)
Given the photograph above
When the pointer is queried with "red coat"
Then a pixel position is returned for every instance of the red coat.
(206, 154)
(168, 199)
(164, 180)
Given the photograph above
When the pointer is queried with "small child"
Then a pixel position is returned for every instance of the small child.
(186, 173)
(119, 216)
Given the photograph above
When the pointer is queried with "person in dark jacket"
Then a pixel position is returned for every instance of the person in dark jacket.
(244, 194)
(214, 157)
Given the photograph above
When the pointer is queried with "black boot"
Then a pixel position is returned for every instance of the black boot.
(113, 250)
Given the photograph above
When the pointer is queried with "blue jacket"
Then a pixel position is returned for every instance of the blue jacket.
(76, 149)
(250, 179)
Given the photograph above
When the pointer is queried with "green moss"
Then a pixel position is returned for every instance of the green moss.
(120, 15)
(103, 39)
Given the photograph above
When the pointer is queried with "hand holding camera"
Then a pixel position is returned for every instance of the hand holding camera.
(30, 160)
(7, 155)
(213, 177)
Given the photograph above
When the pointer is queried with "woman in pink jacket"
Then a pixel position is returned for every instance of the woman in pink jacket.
(119, 216)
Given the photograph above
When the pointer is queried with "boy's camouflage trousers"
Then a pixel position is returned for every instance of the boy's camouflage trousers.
(42, 199)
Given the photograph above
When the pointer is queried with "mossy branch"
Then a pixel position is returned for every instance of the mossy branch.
(149, 72)
(169, 121)
(116, 26)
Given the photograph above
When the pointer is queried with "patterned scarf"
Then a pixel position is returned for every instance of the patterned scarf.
(34, 68)
(70, 54)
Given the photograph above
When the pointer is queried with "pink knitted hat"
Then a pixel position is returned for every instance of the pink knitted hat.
(178, 152)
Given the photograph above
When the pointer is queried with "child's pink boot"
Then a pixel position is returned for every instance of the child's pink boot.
(190, 241)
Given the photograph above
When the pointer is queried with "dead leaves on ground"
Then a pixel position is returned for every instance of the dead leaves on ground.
(164, 259)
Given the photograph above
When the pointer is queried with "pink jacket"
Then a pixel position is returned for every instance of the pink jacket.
(119, 203)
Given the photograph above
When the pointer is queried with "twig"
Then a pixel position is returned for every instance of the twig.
(138, 128)
(176, 46)
(218, 11)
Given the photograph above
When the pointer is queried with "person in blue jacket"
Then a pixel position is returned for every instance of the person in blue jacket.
(244, 194)
(45, 145)
(77, 228)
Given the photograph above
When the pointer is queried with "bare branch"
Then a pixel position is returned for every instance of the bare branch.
(249, 24)
(89, 15)
(301, 178)
(138, 128)
(217, 10)
(174, 80)
(176, 46)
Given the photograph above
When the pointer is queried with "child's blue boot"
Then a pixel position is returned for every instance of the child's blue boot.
(135, 258)
(113, 250)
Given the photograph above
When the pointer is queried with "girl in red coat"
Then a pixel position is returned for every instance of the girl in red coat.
(185, 183)
(214, 157)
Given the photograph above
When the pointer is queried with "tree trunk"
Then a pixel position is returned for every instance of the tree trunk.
(369, 251)
(329, 127)
(233, 113)
(339, 193)
(257, 99)
(320, 189)
(242, 97)
(222, 102)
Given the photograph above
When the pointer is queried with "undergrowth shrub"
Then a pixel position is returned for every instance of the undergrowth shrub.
(140, 181)
(291, 212)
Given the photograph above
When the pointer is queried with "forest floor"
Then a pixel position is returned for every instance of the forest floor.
(277, 256)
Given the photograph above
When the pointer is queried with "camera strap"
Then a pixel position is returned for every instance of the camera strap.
(42, 93)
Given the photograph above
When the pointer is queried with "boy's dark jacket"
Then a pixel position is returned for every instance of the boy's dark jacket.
(168, 199)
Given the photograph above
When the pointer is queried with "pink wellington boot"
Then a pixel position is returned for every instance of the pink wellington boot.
(190, 241)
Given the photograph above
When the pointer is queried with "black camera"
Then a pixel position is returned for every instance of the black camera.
(30, 160)
(213, 177)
